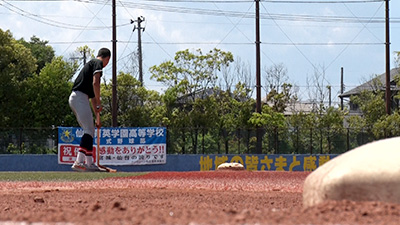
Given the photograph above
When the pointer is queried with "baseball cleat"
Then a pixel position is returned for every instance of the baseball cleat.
(79, 167)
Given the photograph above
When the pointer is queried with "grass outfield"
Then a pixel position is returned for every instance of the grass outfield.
(61, 176)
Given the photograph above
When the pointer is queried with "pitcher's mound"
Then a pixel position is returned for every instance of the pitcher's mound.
(230, 166)
(368, 173)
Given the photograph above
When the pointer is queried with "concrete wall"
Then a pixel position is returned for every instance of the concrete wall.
(177, 163)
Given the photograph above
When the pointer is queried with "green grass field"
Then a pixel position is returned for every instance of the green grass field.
(61, 176)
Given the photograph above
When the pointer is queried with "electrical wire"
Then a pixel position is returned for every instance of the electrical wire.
(225, 43)
(235, 25)
(321, 2)
(346, 47)
(364, 25)
(83, 30)
(50, 22)
(286, 17)
(231, 1)
(211, 12)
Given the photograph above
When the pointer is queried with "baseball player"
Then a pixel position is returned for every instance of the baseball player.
(87, 86)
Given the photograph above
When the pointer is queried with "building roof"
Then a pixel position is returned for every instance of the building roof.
(295, 107)
(372, 84)
(203, 94)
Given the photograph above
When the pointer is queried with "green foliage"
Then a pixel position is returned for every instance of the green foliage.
(200, 115)
(192, 100)
(13, 149)
(86, 52)
(373, 106)
(42, 52)
(16, 65)
(280, 100)
(272, 123)
(47, 95)
(387, 126)
(331, 124)
(136, 105)
(301, 125)
(191, 71)
(268, 118)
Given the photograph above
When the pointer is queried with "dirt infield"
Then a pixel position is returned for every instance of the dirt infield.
(183, 198)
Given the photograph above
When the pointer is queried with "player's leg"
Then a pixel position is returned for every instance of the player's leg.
(80, 104)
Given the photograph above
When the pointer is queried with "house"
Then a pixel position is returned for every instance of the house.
(377, 83)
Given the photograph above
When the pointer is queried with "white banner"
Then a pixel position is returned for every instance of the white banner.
(118, 146)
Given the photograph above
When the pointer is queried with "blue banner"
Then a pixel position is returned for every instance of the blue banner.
(284, 162)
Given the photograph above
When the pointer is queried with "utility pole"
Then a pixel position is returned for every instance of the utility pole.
(139, 20)
(341, 87)
(84, 56)
(330, 95)
(258, 77)
(387, 92)
(114, 111)
(83, 52)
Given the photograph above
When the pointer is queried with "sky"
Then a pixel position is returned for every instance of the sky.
(307, 37)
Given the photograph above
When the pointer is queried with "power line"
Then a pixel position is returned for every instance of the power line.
(50, 22)
(287, 17)
(345, 48)
(231, 1)
(82, 31)
(364, 25)
(200, 11)
(223, 43)
(157, 43)
(321, 2)
(126, 46)
(235, 26)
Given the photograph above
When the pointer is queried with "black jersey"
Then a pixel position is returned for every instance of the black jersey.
(84, 81)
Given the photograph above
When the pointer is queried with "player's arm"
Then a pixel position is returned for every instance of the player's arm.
(96, 102)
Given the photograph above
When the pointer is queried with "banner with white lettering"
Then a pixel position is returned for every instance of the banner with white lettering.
(118, 146)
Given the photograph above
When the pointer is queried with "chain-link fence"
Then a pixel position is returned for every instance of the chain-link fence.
(28, 140)
(208, 141)
(243, 141)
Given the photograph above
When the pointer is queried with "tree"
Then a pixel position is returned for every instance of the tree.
(40, 50)
(301, 136)
(269, 119)
(372, 104)
(83, 53)
(47, 96)
(275, 76)
(279, 95)
(192, 71)
(16, 65)
(281, 100)
(318, 93)
(242, 109)
(135, 103)
(190, 78)
(387, 126)
(331, 125)
(235, 73)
